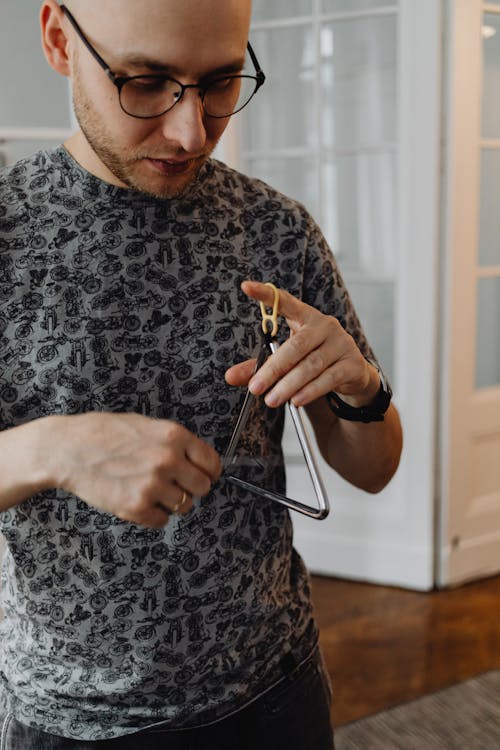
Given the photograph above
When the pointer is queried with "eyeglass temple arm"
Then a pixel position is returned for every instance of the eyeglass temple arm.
(95, 54)
(258, 70)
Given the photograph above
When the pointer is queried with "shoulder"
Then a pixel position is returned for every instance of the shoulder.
(257, 194)
(17, 178)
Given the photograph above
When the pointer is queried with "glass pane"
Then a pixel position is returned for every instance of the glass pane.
(294, 177)
(264, 10)
(281, 114)
(359, 212)
(488, 333)
(359, 81)
(491, 76)
(23, 68)
(489, 229)
(375, 307)
(341, 6)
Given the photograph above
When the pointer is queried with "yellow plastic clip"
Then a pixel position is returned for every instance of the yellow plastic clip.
(273, 317)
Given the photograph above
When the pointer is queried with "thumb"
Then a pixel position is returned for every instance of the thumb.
(241, 373)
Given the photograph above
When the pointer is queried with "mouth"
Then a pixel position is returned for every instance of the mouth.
(172, 167)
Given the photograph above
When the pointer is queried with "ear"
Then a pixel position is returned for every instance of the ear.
(54, 40)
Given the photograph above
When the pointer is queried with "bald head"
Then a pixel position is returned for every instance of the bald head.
(218, 19)
(185, 37)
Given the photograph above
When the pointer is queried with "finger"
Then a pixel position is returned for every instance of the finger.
(163, 515)
(296, 312)
(299, 359)
(157, 517)
(315, 364)
(189, 478)
(169, 506)
(329, 380)
(206, 461)
(188, 449)
(241, 373)
(347, 377)
(185, 503)
(178, 502)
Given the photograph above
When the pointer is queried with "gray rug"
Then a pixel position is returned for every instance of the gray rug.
(462, 717)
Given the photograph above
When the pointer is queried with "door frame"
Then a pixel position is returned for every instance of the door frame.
(468, 538)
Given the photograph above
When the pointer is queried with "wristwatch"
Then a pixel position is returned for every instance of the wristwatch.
(373, 412)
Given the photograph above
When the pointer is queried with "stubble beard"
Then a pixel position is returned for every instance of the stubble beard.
(101, 142)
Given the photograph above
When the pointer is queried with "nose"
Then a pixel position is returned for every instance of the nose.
(185, 123)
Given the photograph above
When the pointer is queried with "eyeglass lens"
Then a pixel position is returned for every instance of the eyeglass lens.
(149, 96)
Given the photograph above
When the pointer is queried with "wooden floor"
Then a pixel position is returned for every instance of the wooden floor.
(386, 646)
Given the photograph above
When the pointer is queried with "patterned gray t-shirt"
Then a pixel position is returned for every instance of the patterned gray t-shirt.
(111, 300)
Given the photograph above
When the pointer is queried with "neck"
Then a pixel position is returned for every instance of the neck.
(81, 151)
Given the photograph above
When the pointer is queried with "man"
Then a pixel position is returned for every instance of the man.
(146, 598)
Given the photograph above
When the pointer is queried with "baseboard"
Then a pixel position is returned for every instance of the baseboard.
(381, 561)
(470, 560)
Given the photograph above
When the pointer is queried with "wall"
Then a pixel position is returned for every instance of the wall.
(31, 93)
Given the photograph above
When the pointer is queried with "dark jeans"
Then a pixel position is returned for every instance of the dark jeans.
(294, 715)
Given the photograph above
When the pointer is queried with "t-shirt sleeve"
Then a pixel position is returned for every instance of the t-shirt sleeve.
(324, 288)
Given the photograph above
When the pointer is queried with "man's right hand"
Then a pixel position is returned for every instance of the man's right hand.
(132, 466)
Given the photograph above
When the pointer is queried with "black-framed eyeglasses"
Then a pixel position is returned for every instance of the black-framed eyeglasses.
(149, 96)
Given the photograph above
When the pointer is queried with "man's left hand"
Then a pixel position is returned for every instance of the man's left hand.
(318, 357)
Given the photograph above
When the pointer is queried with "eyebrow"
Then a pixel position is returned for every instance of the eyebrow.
(146, 63)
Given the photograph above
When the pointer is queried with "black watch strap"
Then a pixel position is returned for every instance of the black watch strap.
(373, 412)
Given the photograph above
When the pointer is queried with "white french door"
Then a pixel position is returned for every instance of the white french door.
(470, 444)
(348, 122)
